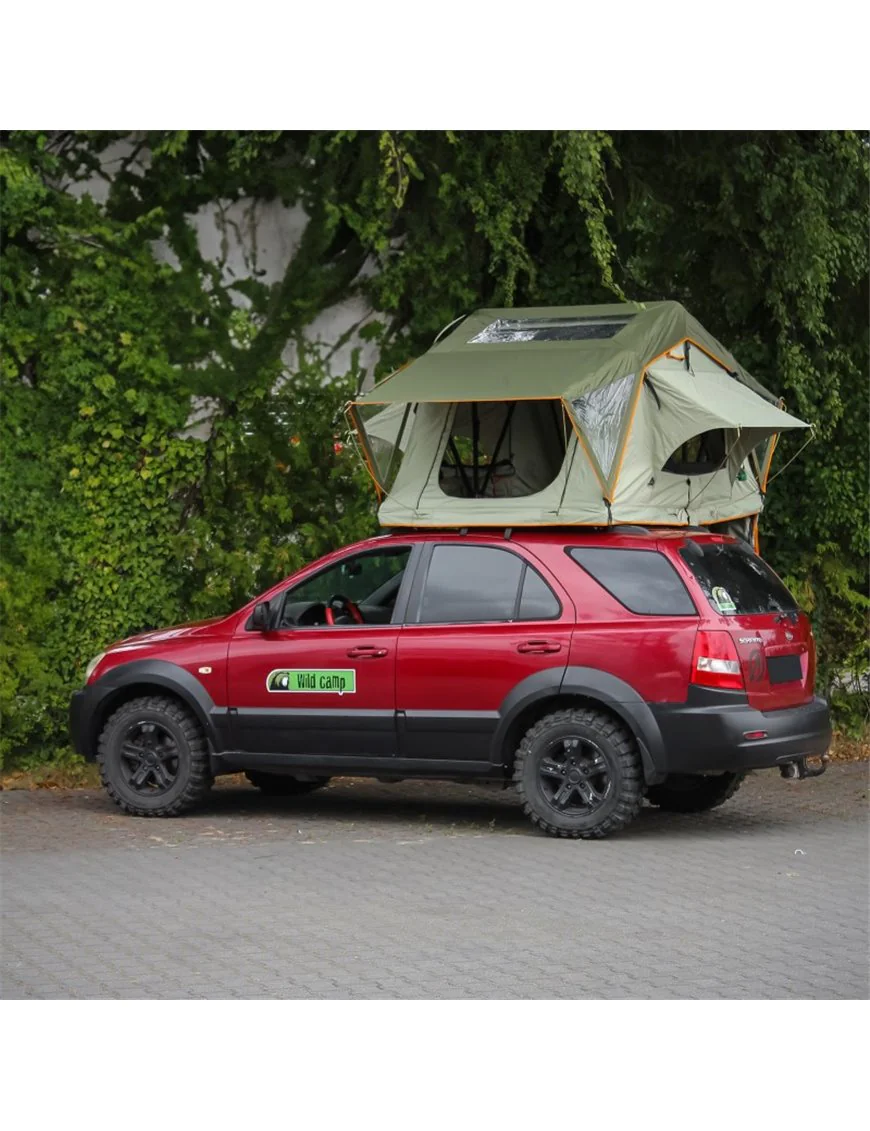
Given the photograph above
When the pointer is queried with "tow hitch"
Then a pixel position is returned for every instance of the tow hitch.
(798, 768)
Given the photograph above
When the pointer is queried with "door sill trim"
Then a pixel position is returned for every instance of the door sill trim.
(236, 761)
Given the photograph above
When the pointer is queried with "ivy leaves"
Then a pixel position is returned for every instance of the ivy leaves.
(168, 432)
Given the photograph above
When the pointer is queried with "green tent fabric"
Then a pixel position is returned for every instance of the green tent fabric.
(588, 415)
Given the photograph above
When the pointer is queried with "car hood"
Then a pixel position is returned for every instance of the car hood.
(161, 635)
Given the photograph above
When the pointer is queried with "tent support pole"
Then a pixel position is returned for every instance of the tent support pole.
(460, 467)
(396, 449)
(475, 445)
(498, 445)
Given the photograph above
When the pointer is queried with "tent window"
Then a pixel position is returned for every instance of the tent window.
(551, 329)
(387, 431)
(601, 415)
(503, 449)
(699, 455)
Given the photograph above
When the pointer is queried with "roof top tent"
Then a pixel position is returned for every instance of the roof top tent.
(580, 415)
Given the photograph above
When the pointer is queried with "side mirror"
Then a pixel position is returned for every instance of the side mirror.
(260, 617)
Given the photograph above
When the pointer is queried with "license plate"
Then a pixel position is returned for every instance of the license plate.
(783, 669)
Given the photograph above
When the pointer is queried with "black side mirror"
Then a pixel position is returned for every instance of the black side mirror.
(260, 617)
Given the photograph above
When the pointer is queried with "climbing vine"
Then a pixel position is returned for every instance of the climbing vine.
(170, 443)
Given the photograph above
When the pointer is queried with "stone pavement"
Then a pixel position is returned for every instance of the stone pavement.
(427, 890)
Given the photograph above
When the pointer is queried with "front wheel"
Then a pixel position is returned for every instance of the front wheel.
(694, 793)
(153, 758)
(282, 785)
(579, 774)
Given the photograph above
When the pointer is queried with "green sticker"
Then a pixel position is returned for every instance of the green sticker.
(335, 681)
(723, 600)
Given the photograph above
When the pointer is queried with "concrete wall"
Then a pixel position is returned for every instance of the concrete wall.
(248, 236)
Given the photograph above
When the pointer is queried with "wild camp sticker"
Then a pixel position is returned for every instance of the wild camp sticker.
(335, 681)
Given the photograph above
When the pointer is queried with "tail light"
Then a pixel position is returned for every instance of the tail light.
(715, 662)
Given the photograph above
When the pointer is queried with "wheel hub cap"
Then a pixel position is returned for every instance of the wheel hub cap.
(148, 758)
(574, 776)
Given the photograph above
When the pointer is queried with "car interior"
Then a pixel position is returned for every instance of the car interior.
(341, 595)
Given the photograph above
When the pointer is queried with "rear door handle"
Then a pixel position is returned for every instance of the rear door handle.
(366, 652)
(539, 646)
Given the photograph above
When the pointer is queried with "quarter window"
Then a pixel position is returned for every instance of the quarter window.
(644, 581)
(538, 601)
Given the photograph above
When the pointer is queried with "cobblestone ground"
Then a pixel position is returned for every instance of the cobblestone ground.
(436, 891)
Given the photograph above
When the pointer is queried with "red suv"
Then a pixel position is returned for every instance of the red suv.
(592, 668)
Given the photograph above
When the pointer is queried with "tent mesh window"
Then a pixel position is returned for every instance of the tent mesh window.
(384, 436)
(550, 329)
(700, 455)
(601, 415)
(503, 449)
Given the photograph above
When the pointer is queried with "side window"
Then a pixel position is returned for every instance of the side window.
(470, 583)
(483, 583)
(370, 580)
(644, 581)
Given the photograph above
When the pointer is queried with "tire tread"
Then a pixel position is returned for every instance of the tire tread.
(631, 799)
(200, 779)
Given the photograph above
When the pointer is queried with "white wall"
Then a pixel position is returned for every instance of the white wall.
(248, 236)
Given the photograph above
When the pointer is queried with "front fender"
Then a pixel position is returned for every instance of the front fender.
(91, 706)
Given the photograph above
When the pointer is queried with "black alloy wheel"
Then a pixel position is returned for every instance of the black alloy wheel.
(574, 776)
(153, 757)
(578, 772)
(148, 759)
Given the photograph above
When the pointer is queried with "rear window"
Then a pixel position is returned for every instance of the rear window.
(735, 580)
(644, 581)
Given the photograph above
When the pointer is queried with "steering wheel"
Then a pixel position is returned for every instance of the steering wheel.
(338, 603)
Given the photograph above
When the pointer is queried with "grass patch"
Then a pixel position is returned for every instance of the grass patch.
(69, 775)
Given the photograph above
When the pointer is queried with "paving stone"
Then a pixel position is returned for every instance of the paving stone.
(435, 891)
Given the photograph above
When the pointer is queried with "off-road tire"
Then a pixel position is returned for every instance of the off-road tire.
(283, 785)
(620, 753)
(694, 793)
(193, 777)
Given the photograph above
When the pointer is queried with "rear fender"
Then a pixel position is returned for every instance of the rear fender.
(595, 686)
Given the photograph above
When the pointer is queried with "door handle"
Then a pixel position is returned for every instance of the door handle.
(539, 646)
(366, 652)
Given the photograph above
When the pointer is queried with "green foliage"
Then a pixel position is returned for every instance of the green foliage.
(117, 518)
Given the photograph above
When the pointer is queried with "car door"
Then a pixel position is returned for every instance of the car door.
(308, 687)
(482, 618)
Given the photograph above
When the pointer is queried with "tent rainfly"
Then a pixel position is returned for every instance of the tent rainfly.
(578, 415)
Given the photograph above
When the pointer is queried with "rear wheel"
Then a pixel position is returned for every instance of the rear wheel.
(153, 758)
(694, 793)
(283, 785)
(578, 772)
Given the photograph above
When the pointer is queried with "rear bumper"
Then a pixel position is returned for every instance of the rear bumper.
(708, 733)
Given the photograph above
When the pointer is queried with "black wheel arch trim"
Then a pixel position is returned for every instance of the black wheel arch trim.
(92, 705)
(588, 683)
